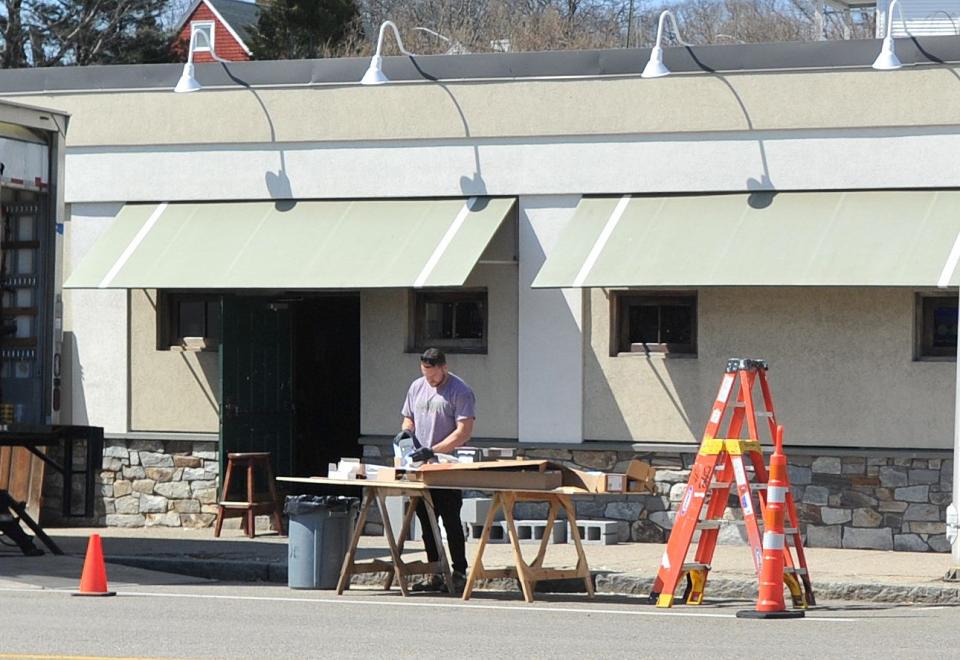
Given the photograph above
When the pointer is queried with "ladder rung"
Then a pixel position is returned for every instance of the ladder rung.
(794, 570)
(761, 413)
(696, 566)
(709, 524)
(726, 484)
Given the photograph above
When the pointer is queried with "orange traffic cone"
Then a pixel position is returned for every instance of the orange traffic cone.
(93, 581)
(770, 603)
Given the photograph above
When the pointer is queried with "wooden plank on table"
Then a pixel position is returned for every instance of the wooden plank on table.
(519, 464)
(34, 495)
(5, 458)
(24, 479)
(514, 481)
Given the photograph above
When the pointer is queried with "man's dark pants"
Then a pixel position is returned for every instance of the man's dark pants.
(446, 506)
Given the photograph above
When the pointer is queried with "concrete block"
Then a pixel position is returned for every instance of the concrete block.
(532, 531)
(498, 532)
(475, 509)
(596, 532)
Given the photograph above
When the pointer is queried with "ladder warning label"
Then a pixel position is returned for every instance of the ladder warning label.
(688, 496)
(725, 387)
(738, 471)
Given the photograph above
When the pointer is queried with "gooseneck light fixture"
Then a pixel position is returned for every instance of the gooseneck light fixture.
(374, 74)
(887, 60)
(655, 67)
(187, 82)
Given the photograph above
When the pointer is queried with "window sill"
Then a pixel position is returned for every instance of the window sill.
(657, 355)
(449, 350)
(191, 348)
(935, 358)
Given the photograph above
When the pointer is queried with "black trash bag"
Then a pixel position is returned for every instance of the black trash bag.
(296, 505)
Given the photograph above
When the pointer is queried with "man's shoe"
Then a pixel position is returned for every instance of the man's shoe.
(459, 583)
(432, 583)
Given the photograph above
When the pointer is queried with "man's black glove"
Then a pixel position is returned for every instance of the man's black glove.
(403, 435)
(421, 455)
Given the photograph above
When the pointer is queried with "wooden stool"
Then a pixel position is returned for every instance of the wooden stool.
(250, 507)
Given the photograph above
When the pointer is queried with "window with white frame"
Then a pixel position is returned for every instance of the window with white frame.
(201, 45)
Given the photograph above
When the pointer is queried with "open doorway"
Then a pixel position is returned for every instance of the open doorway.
(326, 382)
(290, 379)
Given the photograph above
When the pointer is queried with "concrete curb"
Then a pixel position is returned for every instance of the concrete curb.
(226, 570)
(746, 589)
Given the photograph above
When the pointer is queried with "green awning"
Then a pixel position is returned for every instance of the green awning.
(875, 238)
(310, 245)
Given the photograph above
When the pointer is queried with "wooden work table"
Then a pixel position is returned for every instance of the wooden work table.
(528, 573)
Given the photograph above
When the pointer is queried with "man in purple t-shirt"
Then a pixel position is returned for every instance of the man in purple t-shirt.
(439, 410)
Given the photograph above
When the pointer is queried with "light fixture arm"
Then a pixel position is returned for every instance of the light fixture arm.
(889, 25)
(188, 81)
(396, 33)
(193, 46)
(666, 13)
(655, 67)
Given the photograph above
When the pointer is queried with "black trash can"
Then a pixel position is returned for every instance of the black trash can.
(318, 537)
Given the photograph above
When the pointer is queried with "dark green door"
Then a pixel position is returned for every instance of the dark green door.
(256, 371)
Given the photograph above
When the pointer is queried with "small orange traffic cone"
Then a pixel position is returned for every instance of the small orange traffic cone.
(770, 604)
(93, 581)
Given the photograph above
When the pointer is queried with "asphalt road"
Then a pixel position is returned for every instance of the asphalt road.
(217, 620)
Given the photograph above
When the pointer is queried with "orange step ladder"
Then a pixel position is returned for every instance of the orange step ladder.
(720, 466)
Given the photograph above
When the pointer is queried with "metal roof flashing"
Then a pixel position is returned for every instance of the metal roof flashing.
(555, 65)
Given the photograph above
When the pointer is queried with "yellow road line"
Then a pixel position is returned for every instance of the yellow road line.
(34, 656)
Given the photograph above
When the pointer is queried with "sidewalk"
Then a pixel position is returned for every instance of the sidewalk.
(627, 568)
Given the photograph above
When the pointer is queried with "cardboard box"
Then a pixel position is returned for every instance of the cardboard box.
(509, 479)
(595, 482)
(387, 474)
(516, 475)
(641, 477)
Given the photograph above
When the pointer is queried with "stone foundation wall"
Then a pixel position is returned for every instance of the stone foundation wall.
(868, 502)
(894, 502)
(144, 483)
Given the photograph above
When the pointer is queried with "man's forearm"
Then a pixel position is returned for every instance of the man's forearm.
(458, 438)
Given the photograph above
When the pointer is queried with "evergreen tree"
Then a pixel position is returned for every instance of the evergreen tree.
(65, 32)
(303, 29)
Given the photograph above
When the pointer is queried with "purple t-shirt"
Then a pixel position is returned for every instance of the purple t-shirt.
(435, 411)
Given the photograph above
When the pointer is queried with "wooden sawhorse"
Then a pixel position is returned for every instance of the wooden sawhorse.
(397, 568)
(529, 573)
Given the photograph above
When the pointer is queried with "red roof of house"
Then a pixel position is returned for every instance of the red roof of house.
(232, 20)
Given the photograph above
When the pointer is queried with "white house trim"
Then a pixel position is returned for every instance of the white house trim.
(211, 46)
(193, 7)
